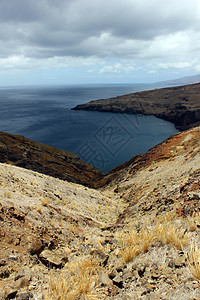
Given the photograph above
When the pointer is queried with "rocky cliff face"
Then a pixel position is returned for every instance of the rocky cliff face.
(179, 105)
(20, 151)
(135, 237)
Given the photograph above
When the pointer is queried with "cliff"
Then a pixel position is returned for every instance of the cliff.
(179, 105)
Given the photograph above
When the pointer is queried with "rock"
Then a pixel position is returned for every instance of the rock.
(22, 283)
(54, 258)
(67, 250)
(141, 270)
(155, 276)
(25, 296)
(100, 254)
(40, 296)
(171, 264)
(34, 244)
(179, 262)
(113, 273)
(24, 273)
(127, 275)
(104, 279)
(2, 262)
(4, 273)
(117, 252)
(118, 281)
(17, 240)
(10, 293)
(13, 257)
(149, 286)
(196, 285)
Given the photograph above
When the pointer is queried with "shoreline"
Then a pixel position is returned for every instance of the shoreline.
(179, 105)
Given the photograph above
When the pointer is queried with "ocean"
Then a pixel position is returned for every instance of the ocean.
(105, 140)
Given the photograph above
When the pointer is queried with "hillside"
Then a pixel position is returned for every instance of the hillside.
(20, 151)
(135, 237)
(179, 105)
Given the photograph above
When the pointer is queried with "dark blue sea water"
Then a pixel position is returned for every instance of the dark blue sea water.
(104, 140)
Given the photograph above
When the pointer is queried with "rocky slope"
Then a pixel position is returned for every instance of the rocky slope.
(136, 237)
(167, 176)
(179, 105)
(20, 151)
(44, 223)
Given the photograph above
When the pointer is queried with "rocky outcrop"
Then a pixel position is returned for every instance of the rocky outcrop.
(179, 105)
(20, 151)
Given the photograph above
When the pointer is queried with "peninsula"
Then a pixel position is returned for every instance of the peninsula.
(179, 105)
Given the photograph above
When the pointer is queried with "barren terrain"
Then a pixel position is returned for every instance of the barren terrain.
(135, 237)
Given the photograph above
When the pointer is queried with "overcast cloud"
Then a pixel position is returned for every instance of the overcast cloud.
(100, 36)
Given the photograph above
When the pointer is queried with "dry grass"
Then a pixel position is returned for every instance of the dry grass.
(131, 246)
(129, 253)
(147, 238)
(79, 281)
(167, 217)
(170, 234)
(133, 242)
(193, 258)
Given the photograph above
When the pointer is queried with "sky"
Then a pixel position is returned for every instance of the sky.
(98, 41)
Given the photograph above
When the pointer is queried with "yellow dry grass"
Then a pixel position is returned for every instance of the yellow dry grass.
(78, 281)
(133, 243)
(193, 258)
(130, 247)
(166, 217)
(170, 234)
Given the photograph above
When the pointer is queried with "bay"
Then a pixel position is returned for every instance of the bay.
(105, 140)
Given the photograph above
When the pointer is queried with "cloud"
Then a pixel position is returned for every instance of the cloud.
(117, 68)
(136, 30)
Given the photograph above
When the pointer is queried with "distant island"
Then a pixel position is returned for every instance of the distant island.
(179, 105)
(180, 81)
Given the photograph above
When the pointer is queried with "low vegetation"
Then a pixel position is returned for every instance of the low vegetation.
(194, 261)
(78, 281)
(133, 243)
